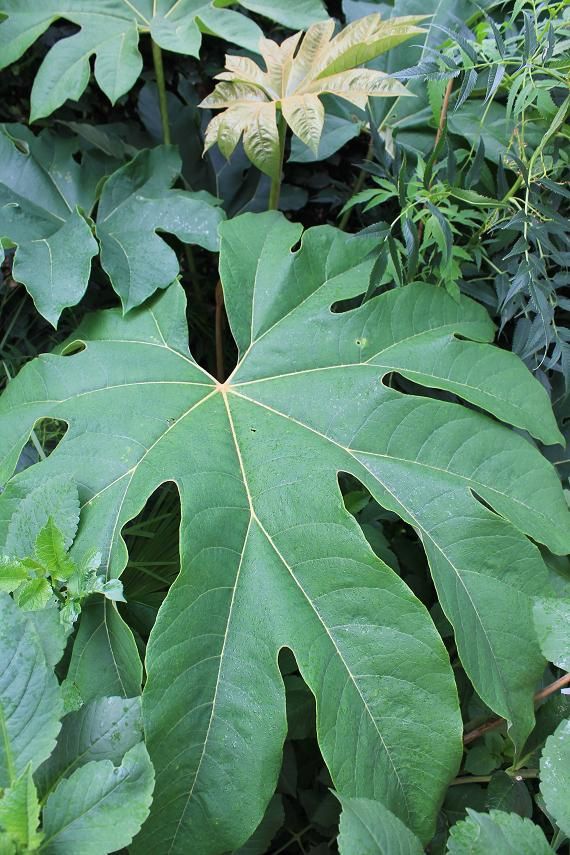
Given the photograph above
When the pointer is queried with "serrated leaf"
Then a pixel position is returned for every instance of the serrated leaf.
(496, 831)
(369, 828)
(12, 573)
(100, 807)
(555, 775)
(273, 562)
(552, 624)
(110, 30)
(34, 595)
(294, 82)
(50, 551)
(20, 812)
(42, 192)
(25, 516)
(103, 729)
(30, 702)
(51, 633)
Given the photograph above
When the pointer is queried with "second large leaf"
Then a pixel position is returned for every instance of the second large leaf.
(270, 557)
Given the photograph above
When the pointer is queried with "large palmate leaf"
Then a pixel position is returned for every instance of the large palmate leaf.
(269, 555)
(110, 30)
(296, 74)
(46, 200)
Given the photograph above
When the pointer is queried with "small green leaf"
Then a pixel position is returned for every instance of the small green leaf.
(20, 812)
(509, 794)
(50, 550)
(100, 807)
(555, 775)
(55, 497)
(12, 573)
(496, 832)
(34, 595)
(111, 589)
(369, 828)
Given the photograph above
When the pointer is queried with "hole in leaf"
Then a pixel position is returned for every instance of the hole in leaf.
(342, 306)
(47, 435)
(73, 347)
(485, 503)
(395, 380)
(152, 540)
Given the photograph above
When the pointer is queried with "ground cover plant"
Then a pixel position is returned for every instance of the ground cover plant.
(284, 480)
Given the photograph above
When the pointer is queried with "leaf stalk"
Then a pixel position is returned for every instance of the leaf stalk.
(161, 87)
(275, 191)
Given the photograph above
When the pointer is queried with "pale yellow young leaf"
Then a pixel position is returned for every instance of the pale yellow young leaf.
(308, 58)
(233, 123)
(211, 135)
(359, 84)
(261, 139)
(305, 115)
(278, 60)
(245, 70)
(297, 72)
(364, 40)
(227, 93)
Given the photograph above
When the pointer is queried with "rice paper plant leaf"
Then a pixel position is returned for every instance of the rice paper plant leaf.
(109, 30)
(297, 73)
(270, 557)
(46, 203)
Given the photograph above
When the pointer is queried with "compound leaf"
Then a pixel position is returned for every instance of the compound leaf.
(271, 558)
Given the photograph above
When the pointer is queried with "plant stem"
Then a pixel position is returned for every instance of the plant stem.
(444, 109)
(357, 187)
(493, 723)
(484, 779)
(219, 322)
(275, 191)
(161, 86)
